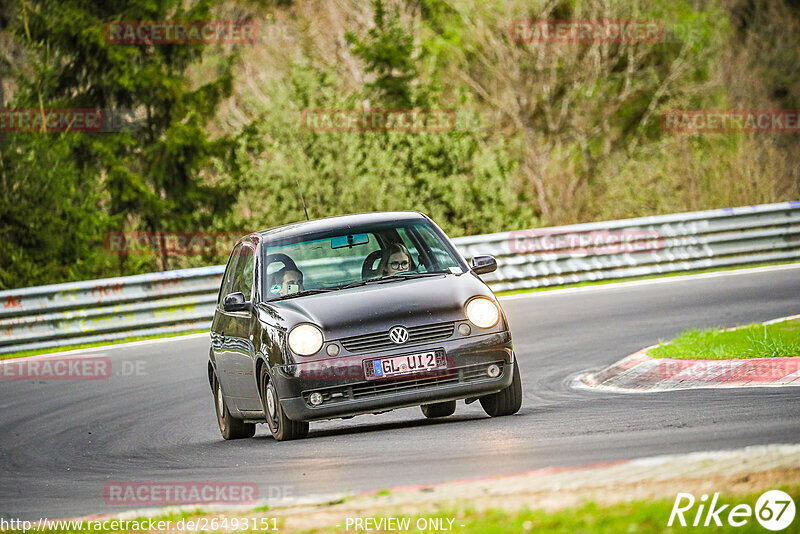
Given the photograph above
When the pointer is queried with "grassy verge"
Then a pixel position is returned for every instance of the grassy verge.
(752, 341)
(23, 353)
(637, 278)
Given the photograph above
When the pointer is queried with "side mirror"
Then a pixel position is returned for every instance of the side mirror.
(235, 302)
(483, 264)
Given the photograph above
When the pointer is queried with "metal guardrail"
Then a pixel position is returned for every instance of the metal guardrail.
(175, 301)
(645, 246)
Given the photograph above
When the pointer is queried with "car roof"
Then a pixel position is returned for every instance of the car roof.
(338, 222)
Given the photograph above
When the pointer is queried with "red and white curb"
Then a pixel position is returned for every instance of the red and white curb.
(641, 373)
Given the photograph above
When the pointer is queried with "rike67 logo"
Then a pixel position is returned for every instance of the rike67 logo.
(774, 510)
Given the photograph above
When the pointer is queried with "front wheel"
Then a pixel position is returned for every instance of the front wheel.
(230, 427)
(282, 428)
(506, 401)
(438, 409)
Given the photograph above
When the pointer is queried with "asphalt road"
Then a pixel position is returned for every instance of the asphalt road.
(62, 441)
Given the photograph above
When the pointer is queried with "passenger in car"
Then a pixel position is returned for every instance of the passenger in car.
(291, 280)
(395, 259)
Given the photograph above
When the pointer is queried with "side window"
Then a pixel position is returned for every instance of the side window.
(243, 273)
(227, 281)
(434, 248)
(429, 256)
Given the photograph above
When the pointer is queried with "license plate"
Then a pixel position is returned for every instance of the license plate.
(403, 365)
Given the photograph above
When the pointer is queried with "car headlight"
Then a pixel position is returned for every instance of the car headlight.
(305, 339)
(482, 312)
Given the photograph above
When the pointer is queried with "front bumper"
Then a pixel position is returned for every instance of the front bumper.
(348, 392)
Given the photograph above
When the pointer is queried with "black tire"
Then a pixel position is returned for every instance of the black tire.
(282, 428)
(439, 409)
(229, 427)
(506, 401)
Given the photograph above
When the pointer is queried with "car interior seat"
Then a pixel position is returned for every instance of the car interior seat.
(369, 269)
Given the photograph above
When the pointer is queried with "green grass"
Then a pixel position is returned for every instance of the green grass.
(636, 278)
(752, 341)
(23, 353)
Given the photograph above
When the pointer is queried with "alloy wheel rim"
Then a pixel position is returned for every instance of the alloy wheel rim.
(220, 407)
(271, 402)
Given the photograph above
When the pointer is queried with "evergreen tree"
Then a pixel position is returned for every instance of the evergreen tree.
(388, 53)
(157, 176)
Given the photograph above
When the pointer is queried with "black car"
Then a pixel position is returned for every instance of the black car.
(351, 315)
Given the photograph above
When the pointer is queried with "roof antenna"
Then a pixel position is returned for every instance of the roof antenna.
(301, 196)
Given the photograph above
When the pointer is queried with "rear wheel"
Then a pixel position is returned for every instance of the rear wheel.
(282, 428)
(229, 427)
(506, 401)
(438, 409)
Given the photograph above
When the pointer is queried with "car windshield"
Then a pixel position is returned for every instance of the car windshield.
(353, 256)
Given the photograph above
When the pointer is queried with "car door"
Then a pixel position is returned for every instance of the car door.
(235, 360)
(222, 322)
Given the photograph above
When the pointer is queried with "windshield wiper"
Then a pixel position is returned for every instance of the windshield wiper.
(358, 284)
(403, 276)
(304, 293)
(391, 278)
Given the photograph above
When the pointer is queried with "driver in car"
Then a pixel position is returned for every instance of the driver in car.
(395, 259)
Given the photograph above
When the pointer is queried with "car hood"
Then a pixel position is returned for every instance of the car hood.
(378, 307)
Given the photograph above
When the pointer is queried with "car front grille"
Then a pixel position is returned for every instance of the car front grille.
(433, 379)
(416, 334)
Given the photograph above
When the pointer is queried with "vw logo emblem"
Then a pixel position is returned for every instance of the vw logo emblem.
(398, 335)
